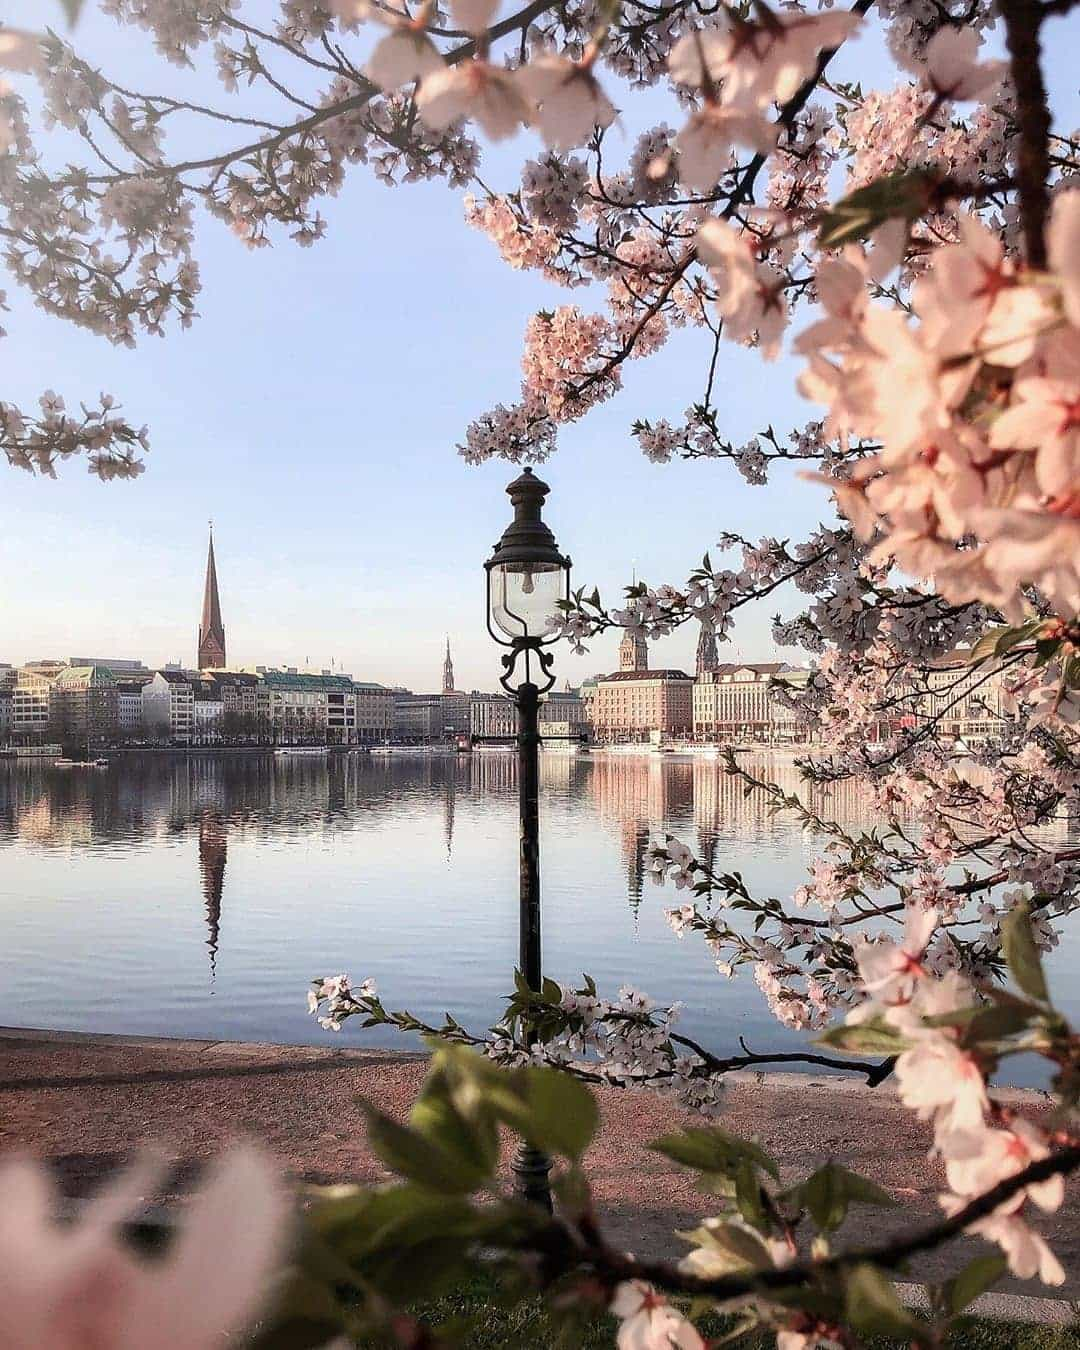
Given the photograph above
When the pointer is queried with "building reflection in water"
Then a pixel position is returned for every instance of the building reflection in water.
(213, 855)
(212, 799)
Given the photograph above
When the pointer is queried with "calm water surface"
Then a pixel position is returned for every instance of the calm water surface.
(197, 895)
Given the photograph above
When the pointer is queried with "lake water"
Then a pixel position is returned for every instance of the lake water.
(197, 895)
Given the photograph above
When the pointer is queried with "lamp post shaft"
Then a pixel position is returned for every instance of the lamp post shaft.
(530, 1166)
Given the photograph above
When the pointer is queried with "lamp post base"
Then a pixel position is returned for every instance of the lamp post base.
(530, 1168)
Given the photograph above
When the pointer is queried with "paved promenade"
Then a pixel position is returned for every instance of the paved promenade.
(85, 1102)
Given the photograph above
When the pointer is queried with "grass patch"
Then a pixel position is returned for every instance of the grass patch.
(476, 1306)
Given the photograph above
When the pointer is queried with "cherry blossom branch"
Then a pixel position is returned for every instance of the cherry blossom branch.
(1023, 19)
(586, 1246)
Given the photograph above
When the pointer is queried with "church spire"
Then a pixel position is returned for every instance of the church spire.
(707, 658)
(211, 629)
(448, 671)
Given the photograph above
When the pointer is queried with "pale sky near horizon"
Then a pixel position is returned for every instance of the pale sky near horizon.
(313, 410)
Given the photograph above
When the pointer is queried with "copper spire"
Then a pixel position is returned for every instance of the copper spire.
(211, 629)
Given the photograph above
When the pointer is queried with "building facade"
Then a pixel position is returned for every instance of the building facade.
(732, 703)
(966, 700)
(374, 712)
(168, 706)
(30, 700)
(639, 705)
(7, 714)
(83, 706)
(240, 705)
(207, 712)
(129, 709)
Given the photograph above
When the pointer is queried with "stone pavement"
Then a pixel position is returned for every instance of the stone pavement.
(86, 1102)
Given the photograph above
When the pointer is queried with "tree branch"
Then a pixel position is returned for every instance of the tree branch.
(1023, 19)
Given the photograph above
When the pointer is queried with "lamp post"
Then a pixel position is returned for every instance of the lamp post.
(526, 578)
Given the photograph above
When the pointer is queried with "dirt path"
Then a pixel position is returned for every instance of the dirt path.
(86, 1102)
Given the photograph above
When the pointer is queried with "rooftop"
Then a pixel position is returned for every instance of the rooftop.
(629, 676)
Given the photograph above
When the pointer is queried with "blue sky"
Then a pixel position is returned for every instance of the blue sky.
(313, 412)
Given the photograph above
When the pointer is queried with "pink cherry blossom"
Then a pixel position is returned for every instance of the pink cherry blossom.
(401, 56)
(1063, 249)
(1044, 416)
(474, 16)
(566, 99)
(888, 969)
(706, 142)
(71, 1287)
(649, 1322)
(950, 69)
(474, 89)
(975, 1161)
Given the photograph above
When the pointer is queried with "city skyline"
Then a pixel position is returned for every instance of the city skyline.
(210, 641)
(314, 410)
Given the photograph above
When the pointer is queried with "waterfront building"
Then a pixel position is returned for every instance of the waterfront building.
(732, 703)
(8, 676)
(787, 726)
(967, 699)
(124, 668)
(7, 698)
(565, 707)
(641, 705)
(168, 706)
(238, 691)
(492, 715)
(129, 708)
(562, 713)
(374, 712)
(83, 706)
(211, 629)
(306, 708)
(207, 711)
(30, 699)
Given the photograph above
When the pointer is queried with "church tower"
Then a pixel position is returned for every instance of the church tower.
(707, 658)
(211, 629)
(633, 652)
(448, 672)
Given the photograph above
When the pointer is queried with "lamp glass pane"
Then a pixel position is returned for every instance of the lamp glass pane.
(524, 598)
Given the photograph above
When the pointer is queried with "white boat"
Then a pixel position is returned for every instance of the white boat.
(301, 750)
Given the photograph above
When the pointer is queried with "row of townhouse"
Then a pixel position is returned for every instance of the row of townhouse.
(741, 703)
(99, 702)
(563, 715)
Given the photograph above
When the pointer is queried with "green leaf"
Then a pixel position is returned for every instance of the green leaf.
(829, 1192)
(872, 1305)
(900, 195)
(1025, 964)
(987, 645)
(748, 1196)
(873, 1037)
(976, 1277)
(997, 1023)
(711, 1149)
(418, 1159)
(474, 1144)
(562, 1113)
(729, 1247)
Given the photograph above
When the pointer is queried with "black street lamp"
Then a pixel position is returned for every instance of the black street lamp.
(526, 578)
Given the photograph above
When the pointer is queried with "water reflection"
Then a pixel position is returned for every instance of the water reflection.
(198, 894)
